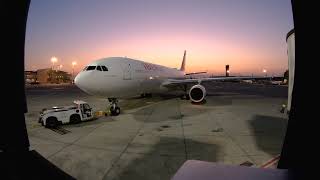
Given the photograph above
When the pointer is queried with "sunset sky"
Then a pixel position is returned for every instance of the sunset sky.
(249, 35)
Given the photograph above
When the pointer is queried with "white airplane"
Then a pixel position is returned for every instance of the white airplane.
(121, 77)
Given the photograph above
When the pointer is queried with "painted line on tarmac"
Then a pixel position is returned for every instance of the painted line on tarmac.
(271, 162)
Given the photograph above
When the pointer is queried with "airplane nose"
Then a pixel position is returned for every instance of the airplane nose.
(79, 82)
(76, 80)
(83, 82)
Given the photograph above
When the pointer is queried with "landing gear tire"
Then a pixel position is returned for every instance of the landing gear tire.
(182, 97)
(146, 95)
(115, 111)
(186, 94)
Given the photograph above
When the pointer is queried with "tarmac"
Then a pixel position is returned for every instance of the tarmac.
(153, 137)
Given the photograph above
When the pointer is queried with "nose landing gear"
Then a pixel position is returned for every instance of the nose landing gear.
(114, 109)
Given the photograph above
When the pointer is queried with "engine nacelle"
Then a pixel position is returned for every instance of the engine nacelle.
(197, 93)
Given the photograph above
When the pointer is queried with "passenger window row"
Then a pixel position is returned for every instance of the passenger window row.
(99, 68)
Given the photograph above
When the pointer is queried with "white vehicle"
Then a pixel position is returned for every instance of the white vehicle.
(247, 81)
(79, 111)
(119, 77)
(276, 82)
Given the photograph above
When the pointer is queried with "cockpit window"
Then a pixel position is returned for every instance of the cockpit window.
(104, 68)
(98, 68)
(90, 68)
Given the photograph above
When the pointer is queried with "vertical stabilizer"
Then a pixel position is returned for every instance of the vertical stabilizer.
(182, 68)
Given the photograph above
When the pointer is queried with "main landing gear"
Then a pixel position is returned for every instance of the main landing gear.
(146, 95)
(185, 95)
(114, 109)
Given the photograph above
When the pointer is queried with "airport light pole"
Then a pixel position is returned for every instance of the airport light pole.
(73, 64)
(265, 71)
(53, 60)
(58, 75)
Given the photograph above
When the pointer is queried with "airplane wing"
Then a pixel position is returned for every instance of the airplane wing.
(192, 73)
(177, 82)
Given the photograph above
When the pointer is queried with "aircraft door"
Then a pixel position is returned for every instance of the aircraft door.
(127, 72)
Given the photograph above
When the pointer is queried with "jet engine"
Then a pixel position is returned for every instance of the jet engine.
(197, 93)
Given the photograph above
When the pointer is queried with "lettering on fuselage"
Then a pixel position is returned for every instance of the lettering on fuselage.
(151, 67)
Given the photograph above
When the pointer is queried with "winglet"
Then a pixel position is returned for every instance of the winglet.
(182, 68)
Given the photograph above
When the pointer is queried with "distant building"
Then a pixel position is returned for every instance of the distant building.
(59, 77)
(47, 75)
(43, 75)
(30, 77)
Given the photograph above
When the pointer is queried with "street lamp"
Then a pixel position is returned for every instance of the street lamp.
(60, 67)
(265, 71)
(53, 60)
(73, 64)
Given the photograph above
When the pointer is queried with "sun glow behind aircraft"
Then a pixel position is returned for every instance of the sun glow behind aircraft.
(248, 35)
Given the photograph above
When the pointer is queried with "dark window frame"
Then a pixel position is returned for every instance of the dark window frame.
(89, 68)
(104, 68)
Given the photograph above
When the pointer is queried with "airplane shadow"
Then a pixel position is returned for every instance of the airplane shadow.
(159, 165)
(269, 132)
(97, 120)
(170, 110)
(138, 102)
(220, 100)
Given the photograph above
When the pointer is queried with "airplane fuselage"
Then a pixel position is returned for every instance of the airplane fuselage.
(124, 77)
(118, 77)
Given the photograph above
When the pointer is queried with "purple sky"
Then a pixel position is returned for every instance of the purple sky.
(247, 34)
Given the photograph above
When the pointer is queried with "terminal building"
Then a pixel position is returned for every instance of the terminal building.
(47, 75)
(30, 77)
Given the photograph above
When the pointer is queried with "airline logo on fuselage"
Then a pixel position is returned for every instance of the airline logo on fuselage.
(150, 67)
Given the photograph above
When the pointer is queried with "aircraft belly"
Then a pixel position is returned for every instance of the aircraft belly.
(122, 88)
(150, 86)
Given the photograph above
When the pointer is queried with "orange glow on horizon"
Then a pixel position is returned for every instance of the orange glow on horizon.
(246, 35)
(203, 54)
